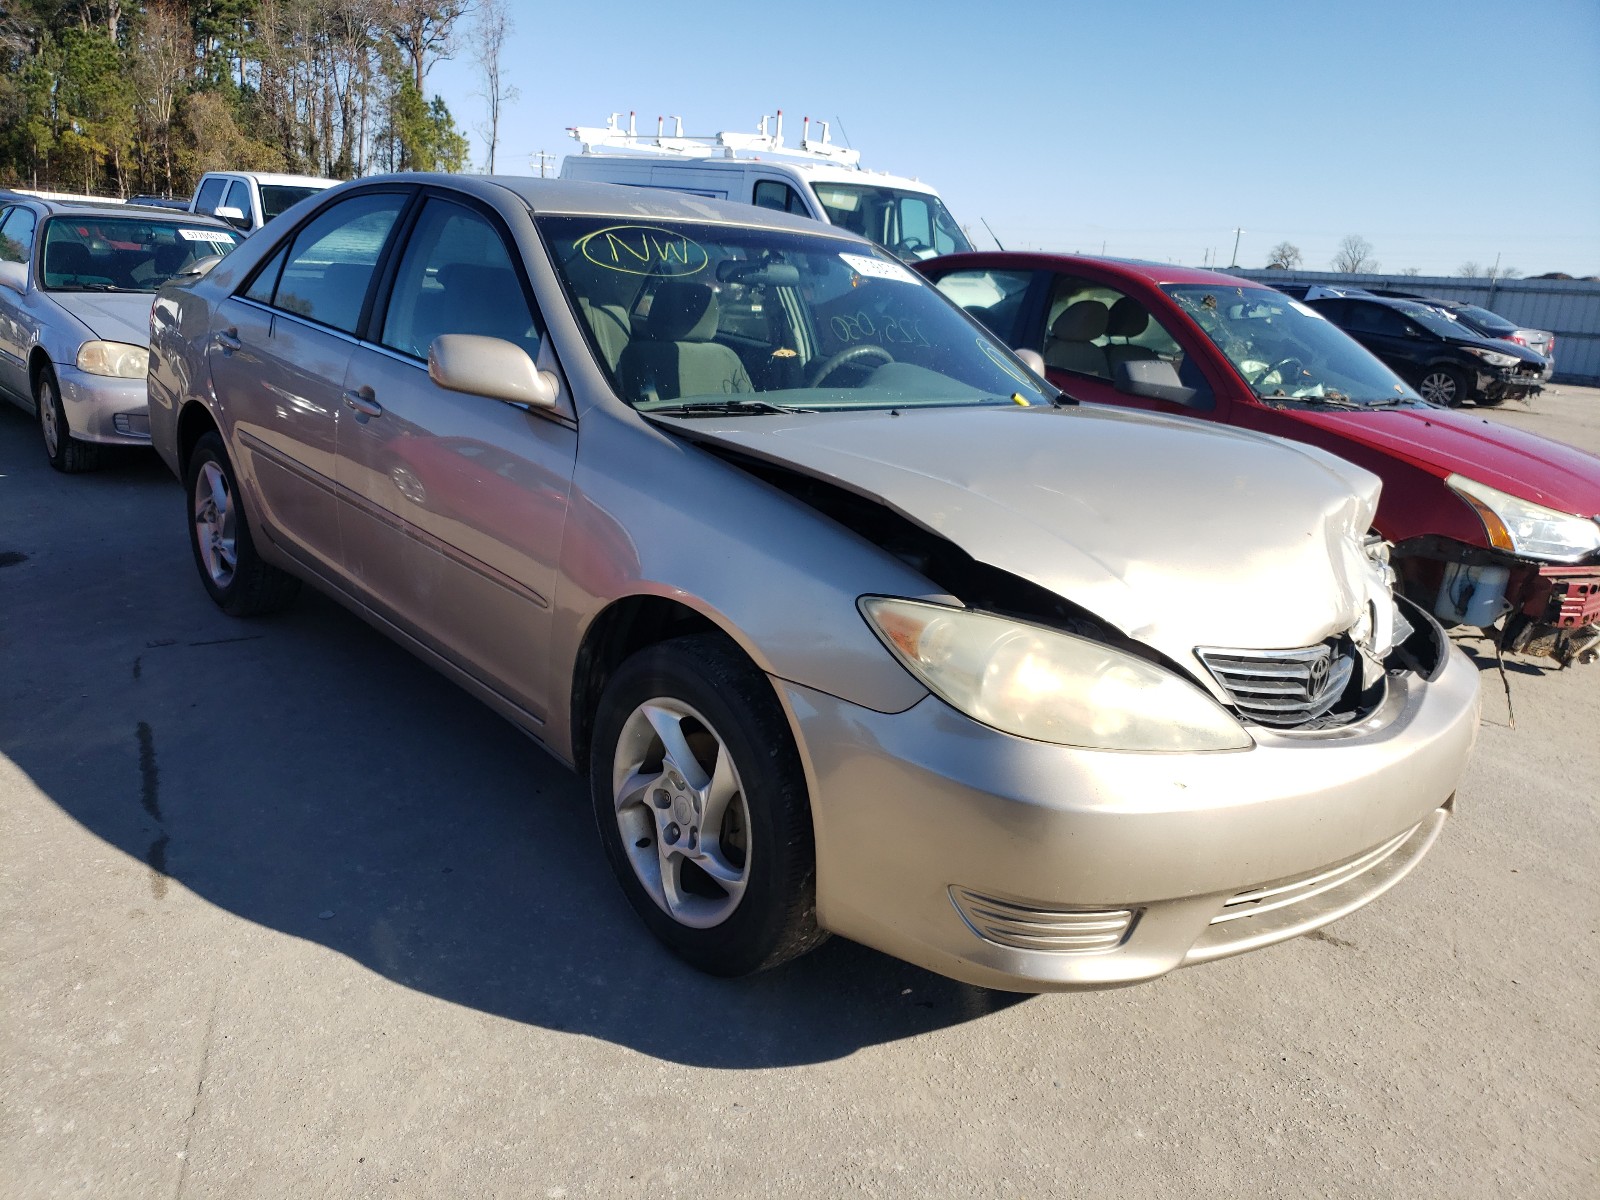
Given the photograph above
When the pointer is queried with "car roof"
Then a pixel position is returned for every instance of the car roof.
(562, 197)
(1154, 272)
(321, 181)
(90, 208)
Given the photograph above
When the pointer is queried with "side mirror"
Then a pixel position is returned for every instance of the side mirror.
(492, 367)
(1154, 379)
(1034, 359)
(234, 217)
(14, 275)
(199, 268)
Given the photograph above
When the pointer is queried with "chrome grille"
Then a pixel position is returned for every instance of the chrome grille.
(1283, 687)
(1055, 930)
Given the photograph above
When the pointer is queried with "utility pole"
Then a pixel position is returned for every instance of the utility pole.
(1235, 261)
(541, 159)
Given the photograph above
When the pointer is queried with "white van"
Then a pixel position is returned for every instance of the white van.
(817, 179)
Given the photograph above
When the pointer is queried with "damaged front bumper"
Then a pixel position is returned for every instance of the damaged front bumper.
(1026, 866)
(1558, 616)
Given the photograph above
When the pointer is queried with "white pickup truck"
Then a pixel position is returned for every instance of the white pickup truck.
(247, 200)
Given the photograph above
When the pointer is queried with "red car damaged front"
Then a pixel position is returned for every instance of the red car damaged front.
(1491, 526)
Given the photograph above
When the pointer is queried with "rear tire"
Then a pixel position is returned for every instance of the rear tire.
(702, 807)
(241, 583)
(66, 453)
(1444, 386)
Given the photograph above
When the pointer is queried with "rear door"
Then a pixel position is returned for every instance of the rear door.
(454, 504)
(278, 355)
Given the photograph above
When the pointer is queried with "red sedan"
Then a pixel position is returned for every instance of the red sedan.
(1490, 526)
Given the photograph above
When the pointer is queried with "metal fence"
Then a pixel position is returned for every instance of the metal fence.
(1568, 308)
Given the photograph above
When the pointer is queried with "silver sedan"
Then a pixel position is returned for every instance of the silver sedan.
(852, 622)
(76, 282)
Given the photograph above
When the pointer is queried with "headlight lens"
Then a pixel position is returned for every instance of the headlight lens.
(1493, 357)
(1050, 686)
(1525, 528)
(117, 359)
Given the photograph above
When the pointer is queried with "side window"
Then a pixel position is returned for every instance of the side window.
(916, 224)
(16, 235)
(267, 278)
(991, 297)
(770, 193)
(1091, 328)
(1337, 311)
(210, 195)
(456, 277)
(1361, 317)
(238, 197)
(332, 260)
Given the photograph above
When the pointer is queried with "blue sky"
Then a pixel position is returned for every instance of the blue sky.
(1440, 132)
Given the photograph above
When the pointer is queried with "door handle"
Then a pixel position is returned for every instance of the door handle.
(362, 404)
(228, 339)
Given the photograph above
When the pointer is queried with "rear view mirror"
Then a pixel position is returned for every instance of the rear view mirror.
(1154, 379)
(14, 275)
(492, 367)
(775, 274)
(1033, 359)
(234, 217)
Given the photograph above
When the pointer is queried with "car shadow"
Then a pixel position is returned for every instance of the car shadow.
(306, 774)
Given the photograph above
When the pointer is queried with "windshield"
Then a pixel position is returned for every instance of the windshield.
(1285, 350)
(124, 254)
(1431, 318)
(683, 314)
(913, 225)
(1488, 322)
(275, 197)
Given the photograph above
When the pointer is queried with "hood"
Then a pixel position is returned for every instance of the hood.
(1179, 534)
(1446, 442)
(111, 316)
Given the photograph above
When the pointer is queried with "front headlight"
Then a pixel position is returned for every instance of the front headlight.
(1050, 686)
(1493, 357)
(117, 359)
(1525, 528)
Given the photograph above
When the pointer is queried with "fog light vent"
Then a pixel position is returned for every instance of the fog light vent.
(1023, 926)
(132, 424)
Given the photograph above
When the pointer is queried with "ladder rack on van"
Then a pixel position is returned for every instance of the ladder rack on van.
(767, 140)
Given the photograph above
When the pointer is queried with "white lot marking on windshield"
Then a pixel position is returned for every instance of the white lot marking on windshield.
(643, 250)
(205, 235)
(876, 268)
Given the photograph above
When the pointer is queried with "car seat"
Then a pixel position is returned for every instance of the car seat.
(1071, 343)
(1127, 319)
(673, 354)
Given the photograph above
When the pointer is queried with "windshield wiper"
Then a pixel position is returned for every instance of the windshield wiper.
(722, 408)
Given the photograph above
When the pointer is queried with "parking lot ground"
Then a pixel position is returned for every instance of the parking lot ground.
(283, 913)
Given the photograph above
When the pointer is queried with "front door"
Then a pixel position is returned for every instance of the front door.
(455, 504)
(278, 353)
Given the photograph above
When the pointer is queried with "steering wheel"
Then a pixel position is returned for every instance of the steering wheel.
(908, 248)
(853, 354)
(1279, 367)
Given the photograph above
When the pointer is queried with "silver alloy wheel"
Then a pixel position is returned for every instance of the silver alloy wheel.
(49, 420)
(214, 524)
(1439, 388)
(682, 813)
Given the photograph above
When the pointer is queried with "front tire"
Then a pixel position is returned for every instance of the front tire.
(241, 583)
(1444, 386)
(702, 807)
(66, 453)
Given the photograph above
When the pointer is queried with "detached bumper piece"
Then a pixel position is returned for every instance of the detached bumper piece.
(1561, 617)
(1512, 383)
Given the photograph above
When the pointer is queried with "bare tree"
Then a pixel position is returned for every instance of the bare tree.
(423, 29)
(1354, 255)
(165, 45)
(1469, 270)
(1412, 271)
(489, 33)
(1285, 256)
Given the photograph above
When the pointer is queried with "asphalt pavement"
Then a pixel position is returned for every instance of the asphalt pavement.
(284, 913)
